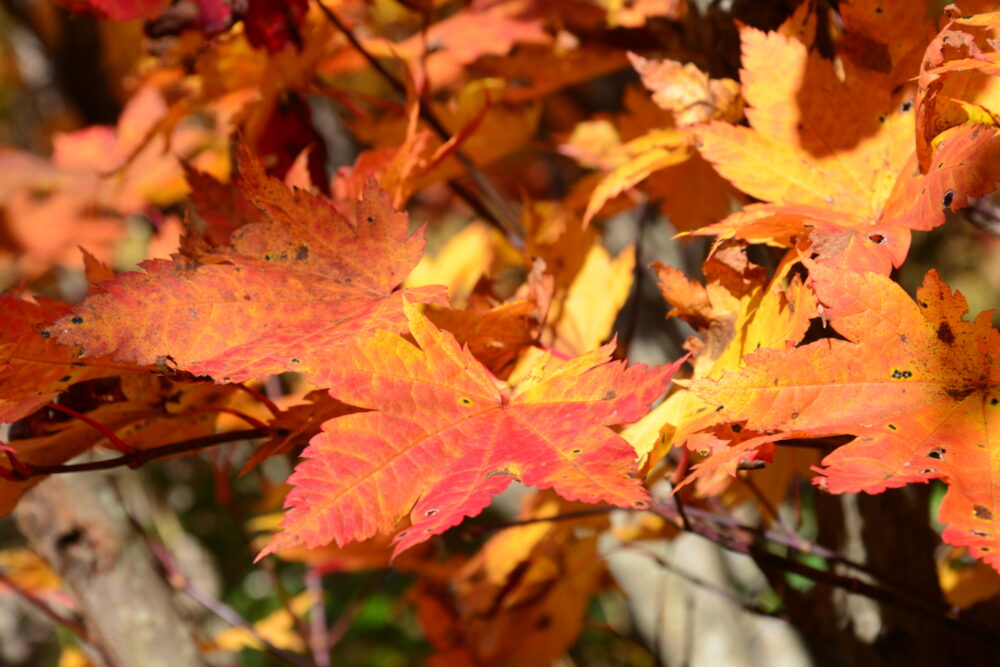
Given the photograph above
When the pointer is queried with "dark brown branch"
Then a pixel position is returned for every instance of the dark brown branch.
(493, 206)
(898, 599)
(140, 456)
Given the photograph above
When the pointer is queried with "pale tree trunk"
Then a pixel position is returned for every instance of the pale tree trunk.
(78, 525)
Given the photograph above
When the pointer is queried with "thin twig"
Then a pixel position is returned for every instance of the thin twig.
(46, 609)
(887, 596)
(182, 582)
(319, 643)
(493, 205)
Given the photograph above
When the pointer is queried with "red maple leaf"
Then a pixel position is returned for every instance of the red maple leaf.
(441, 439)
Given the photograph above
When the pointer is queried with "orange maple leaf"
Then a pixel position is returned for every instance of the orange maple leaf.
(34, 369)
(916, 384)
(833, 156)
(305, 280)
(442, 438)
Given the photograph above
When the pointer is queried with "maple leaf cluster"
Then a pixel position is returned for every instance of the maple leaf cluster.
(300, 311)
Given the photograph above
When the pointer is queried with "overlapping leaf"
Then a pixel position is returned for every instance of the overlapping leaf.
(832, 156)
(305, 280)
(442, 438)
(916, 384)
(34, 368)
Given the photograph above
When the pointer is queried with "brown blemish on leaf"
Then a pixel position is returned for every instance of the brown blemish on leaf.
(944, 333)
(983, 512)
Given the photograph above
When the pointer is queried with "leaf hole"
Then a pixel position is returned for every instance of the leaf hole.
(878, 239)
(948, 198)
(983, 512)
(928, 471)
(937, 453)
(979, 533)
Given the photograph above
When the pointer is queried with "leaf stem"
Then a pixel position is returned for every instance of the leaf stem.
(112, 437)
(268, 403)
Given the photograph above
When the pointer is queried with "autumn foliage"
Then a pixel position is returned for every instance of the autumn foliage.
(376, 246)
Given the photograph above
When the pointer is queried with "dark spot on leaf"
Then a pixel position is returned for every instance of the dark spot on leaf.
(984, 549)
(610, 396)
(881, 119)
(66, 378)
(877, 238)
(720, 408)
(543, 622)
(907, 105)
(225, 379)
(295, 361)
(892, 427)
(465, 401)
(901, 375)
(640, 504)
(577, 451)
(960, 392)
(903, 338)
(994, 401)
(795, 415)
(944, 334)
(302, 252)
(922, 304)
(982, 512)
(937, 453)
(402, 534)
(878, 10)
(77, 320)
(703, 452)
(371, 219)
(737, 428)
(979, 533)
(46, 334)
(927, 471)
(949, 197)
(267, 258)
